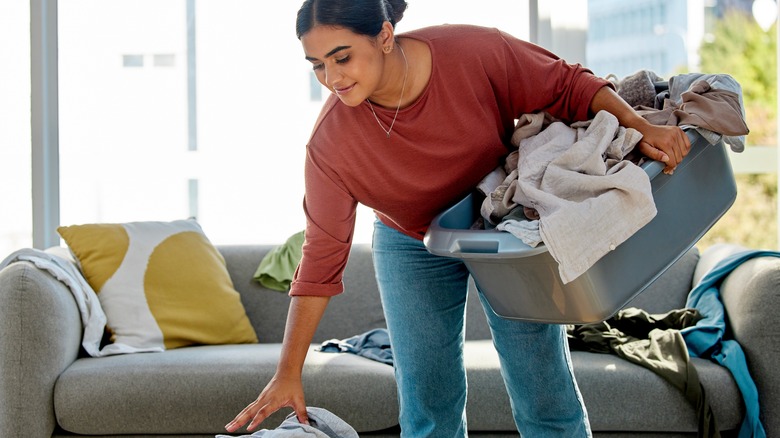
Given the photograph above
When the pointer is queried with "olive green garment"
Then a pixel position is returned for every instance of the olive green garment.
(278, 266)
(654, 342)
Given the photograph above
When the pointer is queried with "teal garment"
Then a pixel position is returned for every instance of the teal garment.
(709, 337)
(278, 266)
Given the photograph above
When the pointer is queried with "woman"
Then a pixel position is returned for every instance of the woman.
(415, 122)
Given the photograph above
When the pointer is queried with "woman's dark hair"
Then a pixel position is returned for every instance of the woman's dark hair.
(364, 17)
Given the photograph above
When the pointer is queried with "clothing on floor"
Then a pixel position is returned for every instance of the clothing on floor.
(655, 343)
(709, 337)
(322, 424)
(374, 345)
(277, 268)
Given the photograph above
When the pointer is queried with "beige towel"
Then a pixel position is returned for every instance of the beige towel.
(589, 199)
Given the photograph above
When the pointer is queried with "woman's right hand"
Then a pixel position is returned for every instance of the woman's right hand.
(281, 391)
(286, 388)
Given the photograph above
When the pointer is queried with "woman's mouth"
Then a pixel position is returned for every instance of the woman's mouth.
(345, 90)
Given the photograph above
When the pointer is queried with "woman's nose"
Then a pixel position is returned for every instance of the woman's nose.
(332, 77)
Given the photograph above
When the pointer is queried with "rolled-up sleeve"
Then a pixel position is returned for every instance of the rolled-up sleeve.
(330, 222)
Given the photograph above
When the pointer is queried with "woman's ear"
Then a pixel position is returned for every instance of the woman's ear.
(386, 37)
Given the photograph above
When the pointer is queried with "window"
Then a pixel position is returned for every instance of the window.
(133, 60)
(15, 142)
(164, 60)
(163, 137)
(127, 136)
(140, 117)
(315, 93)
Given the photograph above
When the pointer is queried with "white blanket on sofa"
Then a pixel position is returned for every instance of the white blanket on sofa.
(92, 316)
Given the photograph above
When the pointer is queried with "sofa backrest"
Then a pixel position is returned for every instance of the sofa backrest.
(356, 311)
(670, 290)
(353, 312)
(359, 308)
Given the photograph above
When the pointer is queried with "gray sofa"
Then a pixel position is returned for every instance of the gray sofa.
(48, 387)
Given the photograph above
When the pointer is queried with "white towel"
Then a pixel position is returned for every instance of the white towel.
(92, 316)
(589, 199)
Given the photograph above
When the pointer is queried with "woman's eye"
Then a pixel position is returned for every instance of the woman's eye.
(320, 66)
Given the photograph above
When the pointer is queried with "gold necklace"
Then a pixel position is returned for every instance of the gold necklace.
(403, 87)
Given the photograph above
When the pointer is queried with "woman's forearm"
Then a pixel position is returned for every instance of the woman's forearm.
(304, 315)
(607, 99)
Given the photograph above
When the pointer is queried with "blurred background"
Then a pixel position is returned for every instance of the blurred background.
(167, 109)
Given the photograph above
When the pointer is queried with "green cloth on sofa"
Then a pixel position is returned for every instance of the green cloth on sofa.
(278, 266)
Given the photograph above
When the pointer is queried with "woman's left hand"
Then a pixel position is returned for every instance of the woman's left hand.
(667, 144)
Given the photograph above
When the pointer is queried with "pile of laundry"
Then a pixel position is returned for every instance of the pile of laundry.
(579, 188)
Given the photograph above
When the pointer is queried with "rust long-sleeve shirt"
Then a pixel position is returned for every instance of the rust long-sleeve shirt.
(440, 148)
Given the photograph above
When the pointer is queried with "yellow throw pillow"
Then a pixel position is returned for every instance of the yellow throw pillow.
(162, 285)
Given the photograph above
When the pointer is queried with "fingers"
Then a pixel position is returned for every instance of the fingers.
(278, 394)
(652, 152)
(259, 415)
(303, 417)
(667, 144)
(679, 146)
(676, 146)
(249, 413)
(254, 412)
(656, 154)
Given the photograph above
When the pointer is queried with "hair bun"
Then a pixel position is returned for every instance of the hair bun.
(396, 9)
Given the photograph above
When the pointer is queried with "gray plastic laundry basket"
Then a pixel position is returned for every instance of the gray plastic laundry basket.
(521, 282)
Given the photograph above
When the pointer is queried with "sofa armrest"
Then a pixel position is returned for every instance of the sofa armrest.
(40, 336)
(751, 296)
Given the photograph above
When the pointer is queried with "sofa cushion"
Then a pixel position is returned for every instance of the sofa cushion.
(198, 390)
(622, 396)
(162, 285)
(619, 395)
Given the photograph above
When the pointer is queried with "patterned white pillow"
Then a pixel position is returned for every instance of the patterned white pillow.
(162, 285)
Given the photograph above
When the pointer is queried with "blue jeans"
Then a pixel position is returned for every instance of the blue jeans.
(424, 300)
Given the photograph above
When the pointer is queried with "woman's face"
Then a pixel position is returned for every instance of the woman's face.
(349, 64)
